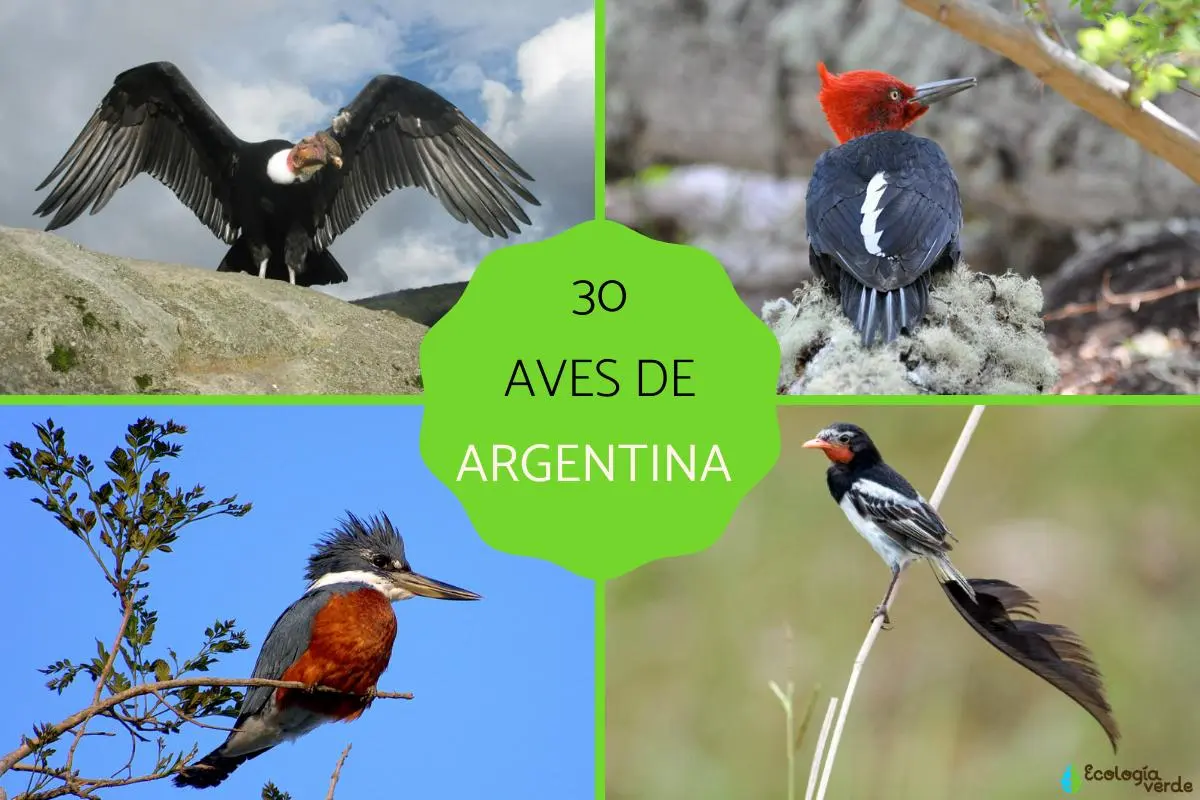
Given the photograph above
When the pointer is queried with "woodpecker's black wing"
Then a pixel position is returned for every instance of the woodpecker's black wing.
(883, 214)
(398, 133)
(152, 120)
(883, 497)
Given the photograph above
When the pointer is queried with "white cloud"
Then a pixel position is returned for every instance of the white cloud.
(279, 68)
(274, 110)
(341, 51)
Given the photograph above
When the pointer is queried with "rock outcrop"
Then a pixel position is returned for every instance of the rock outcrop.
(75, 321)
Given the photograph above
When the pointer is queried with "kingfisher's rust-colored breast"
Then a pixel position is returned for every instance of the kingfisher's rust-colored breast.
(351, 645)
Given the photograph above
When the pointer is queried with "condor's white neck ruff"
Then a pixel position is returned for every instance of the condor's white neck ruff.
(279, 172)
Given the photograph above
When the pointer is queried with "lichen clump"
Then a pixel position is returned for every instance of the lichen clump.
(982, 334)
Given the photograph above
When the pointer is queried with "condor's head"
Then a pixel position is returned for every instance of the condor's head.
(308, 157)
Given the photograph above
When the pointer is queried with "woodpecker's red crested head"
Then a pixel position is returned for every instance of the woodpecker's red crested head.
(866, 101)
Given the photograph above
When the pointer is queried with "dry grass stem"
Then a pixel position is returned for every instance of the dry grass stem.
(935, 500)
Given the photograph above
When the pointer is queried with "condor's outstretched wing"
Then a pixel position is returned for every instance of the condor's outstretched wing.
(152, 120)
(398, 133)
(883, 211)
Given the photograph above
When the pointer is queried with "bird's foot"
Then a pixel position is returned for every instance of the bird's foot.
(882, 611)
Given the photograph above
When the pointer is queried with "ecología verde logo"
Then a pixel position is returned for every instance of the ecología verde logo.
(1146, 778)
(1069, 781)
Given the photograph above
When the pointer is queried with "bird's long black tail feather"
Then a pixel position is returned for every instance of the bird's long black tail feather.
(212, 769)
(875, 313)
(1003, 614)
(320, 268)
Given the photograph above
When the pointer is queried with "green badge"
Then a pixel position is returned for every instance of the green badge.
(600, 400)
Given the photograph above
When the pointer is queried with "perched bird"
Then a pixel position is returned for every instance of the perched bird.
(276, 202)
(882, 208)
(902, 528)
(884, 508)
(338, 635)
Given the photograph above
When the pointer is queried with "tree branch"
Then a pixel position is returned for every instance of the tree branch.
(935, 500)
(102, 678)
(337, 772)
(70, 722)
(1097, 91)
(77, 784)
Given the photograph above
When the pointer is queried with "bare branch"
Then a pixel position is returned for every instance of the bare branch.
(189, 718)
(337, 772)
(1134, 300)
(1100, 93)
(935, 500)
(70, 722)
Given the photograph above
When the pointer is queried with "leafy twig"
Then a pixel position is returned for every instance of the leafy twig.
(1093, 89)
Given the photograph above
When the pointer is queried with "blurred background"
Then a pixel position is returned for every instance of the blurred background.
(1094, 511)
(713, 126)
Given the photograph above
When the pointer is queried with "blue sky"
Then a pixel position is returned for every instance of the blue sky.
(281, 68)
(504, 687)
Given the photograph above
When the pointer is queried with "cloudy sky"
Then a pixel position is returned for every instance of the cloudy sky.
(270, 68)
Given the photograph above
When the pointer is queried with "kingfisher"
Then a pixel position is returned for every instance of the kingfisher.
(882, 208)
(339, 635)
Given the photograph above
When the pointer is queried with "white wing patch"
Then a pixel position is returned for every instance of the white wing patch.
(870, 211)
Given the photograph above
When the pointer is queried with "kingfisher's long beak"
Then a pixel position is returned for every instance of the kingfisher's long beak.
(428, 587)
(930, 93)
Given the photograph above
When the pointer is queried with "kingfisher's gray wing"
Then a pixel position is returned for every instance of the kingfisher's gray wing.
(285, 643)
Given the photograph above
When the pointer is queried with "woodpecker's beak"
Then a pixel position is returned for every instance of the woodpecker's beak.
(930, 93)
(428, 587)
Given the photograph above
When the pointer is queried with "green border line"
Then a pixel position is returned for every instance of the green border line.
(598, 150)
(601, 697)
(1179, 400)
(991, 400)
(212, 400)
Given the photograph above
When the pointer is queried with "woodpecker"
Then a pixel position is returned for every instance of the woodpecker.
(339, 635)
(882, 208)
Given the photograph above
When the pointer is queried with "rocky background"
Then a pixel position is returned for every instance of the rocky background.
(712, 127)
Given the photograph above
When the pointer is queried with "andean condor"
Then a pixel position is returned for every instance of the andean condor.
(882, 209)
(274, 201)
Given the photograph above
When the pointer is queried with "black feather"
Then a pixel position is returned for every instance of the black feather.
(918, 224)
(1004, 615)
(400, 134)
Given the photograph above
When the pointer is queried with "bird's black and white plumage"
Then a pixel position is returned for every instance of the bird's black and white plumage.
(883, 215)
(884, 508)
(280, 204)
(902, 527)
